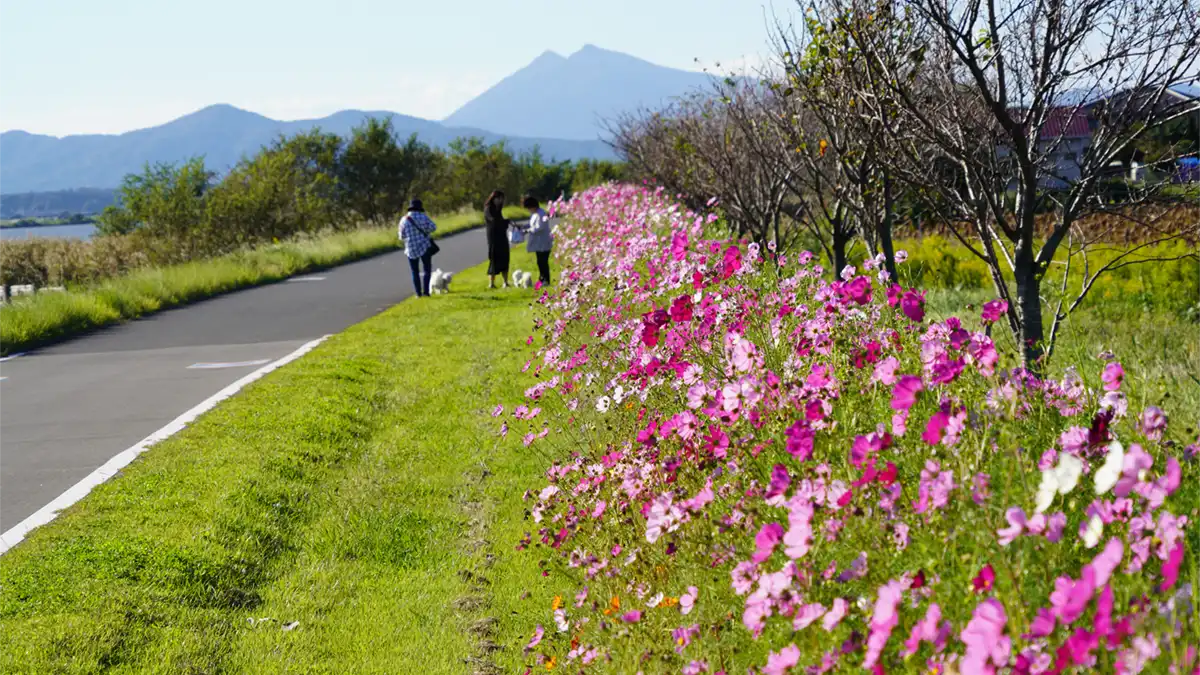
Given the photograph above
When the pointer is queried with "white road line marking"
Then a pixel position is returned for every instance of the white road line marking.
(49, 512)
(10, 357)
(307, 279)
(231, 364)
(3, 377)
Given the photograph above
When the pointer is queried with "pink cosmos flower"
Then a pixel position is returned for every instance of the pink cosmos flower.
(687, 601)
(904, 395)
(681, 309)
(834, 616)
(1112, 375)
(800, 439)
(743, 575)
(883, 619)
(1136, 461)
(632, 617)
(1070, 598)
(982, 583)
(780, 481)
(799, 535)
(766, 539)
(913, 305)
(779, 663)
(806, 615)
(933, 430)
(743, 355)
(695, 668)
(538, 632)
(1042, 625)
(859, 290)
(993, 310)
(679, 243)
(885, 371)
(981, 491)
(1107, 560)
(1016, 525)
(1170, 568)
(1055, 526)
(1153, 422)
(900, 536)
(987, 646)
(925, 630)
(935, 487)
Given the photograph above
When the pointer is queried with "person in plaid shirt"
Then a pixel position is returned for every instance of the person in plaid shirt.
(415, 228)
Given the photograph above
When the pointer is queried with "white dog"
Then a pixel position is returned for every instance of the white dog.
(522, 279)
(440, 281)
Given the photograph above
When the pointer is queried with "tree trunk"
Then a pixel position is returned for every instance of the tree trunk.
(885, 229)
(1029, 286)
(840, 240)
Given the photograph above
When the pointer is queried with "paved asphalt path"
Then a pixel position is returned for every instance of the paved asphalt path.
(67, 409)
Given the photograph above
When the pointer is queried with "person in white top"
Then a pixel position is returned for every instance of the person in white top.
(541, 237)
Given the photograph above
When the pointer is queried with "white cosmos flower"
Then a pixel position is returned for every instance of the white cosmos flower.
(1095, 528)
(1108, 474)
(1058, 481)
(603, 403)
(619, 394)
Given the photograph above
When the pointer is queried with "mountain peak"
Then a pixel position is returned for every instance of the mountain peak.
(549, 56)
(574, 95)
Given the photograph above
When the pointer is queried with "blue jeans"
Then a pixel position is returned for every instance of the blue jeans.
(421, 284)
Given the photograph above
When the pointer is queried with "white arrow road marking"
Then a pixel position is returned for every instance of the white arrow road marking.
(307, 279)
(232, 364)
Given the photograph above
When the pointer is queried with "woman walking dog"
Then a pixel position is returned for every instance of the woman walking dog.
(541, 238)
(415, 228)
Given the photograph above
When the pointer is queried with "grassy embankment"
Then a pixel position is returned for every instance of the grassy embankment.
(363, 492)
(47, 317)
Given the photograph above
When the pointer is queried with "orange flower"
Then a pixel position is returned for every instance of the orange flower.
(669, 602)
(556, 603)
(614, 606)
(550, 663)
(823, 145)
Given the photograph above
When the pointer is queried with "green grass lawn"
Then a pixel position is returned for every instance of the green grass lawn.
(48, 317)
(362, 495)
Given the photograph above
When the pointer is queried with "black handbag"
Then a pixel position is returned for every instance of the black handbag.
(433, 249)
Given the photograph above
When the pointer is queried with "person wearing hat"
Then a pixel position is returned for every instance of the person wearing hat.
(415, 230)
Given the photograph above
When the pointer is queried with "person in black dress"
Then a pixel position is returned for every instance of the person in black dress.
(497, 238)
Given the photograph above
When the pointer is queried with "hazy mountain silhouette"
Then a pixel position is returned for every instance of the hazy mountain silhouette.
(223, 134)
(555, 103)
(569, 97)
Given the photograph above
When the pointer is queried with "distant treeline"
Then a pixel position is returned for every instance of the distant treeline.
(61, 219)
(57, 204)
(315, 181)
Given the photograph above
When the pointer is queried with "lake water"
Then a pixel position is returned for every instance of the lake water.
(84, 231)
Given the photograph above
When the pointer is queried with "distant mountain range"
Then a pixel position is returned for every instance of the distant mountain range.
(555, 103)
(223, 134)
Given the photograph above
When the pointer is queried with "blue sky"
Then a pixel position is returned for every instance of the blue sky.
(86, 66)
